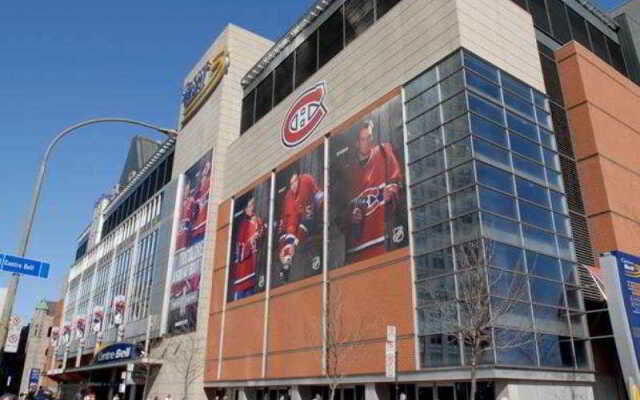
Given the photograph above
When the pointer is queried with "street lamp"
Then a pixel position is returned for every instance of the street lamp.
(26, 238)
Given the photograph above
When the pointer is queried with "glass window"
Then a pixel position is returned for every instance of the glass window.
(555, 351)
(551, 320)
(384, 5)
(544, 118)
(432, 264)
(454, 106)
(450, 65)
(547, 292)
(248, 103)
(559, 22)
(484, 86)
(497, 203)
(283, 79)
(466, 228)
(501, 229)
(421, 83)
(598, 42)
(548, 139)
(427, 166)
(461, 176)
(424, 123)
(517, 87)
(551, 159)
(539, 240)
(532, 192)
(617, 59)
(573, 297)
(508, 285)
(569, 272)
(518, 104)
(458, 152)
(481, 67)
(582, 355)
(578, 324)
(534, 215)
(559, 202)
(486, 108)
(522, 126)
(430, 214)
(424, 145)
(264, 97)
(419, 104)
(566, 248)
(515, 347)
(456, 129)
(463, 202)
(491, 154)
(540, 100)
(544, 266)
(488, 130)
(525, 147)
(551, 78)
(452, 85)
(433, 238)
(539, 13)
(494, 177)
(439, 351)
(429, 190)
(330, 40)
(358, 17)
(511, 313)
(505, 256)
(528, 168)
(440, 289)
(555, 180)
(563, 224)
(578, 28)
(306, 58)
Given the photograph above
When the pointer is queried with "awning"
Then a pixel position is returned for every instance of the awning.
(80, 373)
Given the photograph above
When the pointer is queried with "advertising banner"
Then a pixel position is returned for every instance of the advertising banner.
(80, 327)
(66, 334)
(249, 243)
(55, 336)
(34, 378)
(97, 319)
(367, 194)
(298, 219)
(119, 304)
(13, 335)
(185, 278)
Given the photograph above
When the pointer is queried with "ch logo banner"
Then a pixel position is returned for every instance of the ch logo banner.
(304, 115)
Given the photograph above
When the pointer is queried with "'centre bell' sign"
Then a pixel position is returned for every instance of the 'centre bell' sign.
(117, 352)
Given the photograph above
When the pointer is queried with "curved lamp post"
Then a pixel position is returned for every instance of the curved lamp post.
(26, 238)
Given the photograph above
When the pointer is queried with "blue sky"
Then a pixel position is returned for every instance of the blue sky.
(63, 64)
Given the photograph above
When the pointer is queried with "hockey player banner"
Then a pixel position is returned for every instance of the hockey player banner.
(247, 274)
(97, 319)
(66, 334)
(185, 278)
(80, 327)
(55, 336)
(368, 207)
(298, 215)
(119, 304)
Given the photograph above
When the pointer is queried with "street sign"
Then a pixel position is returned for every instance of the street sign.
(34, 377)
(390, 352)
(24, 266)
(391, 333)
(13, 335)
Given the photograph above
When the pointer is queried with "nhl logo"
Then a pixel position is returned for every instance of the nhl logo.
(304, 116)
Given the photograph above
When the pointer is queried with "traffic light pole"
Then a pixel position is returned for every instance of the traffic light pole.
(12, 287)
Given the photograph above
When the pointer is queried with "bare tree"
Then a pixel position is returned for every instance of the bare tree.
(185, 356)
(469, 313)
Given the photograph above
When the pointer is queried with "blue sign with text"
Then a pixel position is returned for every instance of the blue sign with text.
(34, 376)
(629, 274)
(118, 352)
(24, 266)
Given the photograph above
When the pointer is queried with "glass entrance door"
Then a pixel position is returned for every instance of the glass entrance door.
(425, 393)
(446, 392)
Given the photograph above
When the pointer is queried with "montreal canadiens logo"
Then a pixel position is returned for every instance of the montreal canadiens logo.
(304, 116)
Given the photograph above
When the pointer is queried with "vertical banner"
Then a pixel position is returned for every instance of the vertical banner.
(34, 379)
(298, 219)
(13, 335)
(247, 275)
(368, 207)
(97, 316)
(119, 304)
(55, 337)
(66, 334)
(185, 278)
(80, 328)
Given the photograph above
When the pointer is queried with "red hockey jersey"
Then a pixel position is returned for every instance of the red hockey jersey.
(250, 231)
(369, 180)
(186, 222)
(297, 212)
(202, 197)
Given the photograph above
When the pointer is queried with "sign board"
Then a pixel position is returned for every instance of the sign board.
(13, 335)
(304, 115)
(621, 273)
(204, 82)
(24, 266)
(34, 376)
(117, 352)
(391, 333)
(390, 352)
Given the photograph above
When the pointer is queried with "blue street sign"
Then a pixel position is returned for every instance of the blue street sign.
(24, 266)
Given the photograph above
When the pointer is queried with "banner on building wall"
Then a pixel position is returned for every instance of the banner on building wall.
(185, 278)
(119, 304)
(97, 317)
(367, 206)
(13, 334)
(55, 336)
(80, 325)
(298, 219)
(66, 334)
(248, 264)
(304, 116)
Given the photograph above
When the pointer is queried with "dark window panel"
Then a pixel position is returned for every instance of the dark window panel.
(561, 128)
(331, 39)
(358, 17)
(384, 6)
(264, 97)
(169, 168)
(539, 13)
(283, 76)
(162, 171)
(551, 79)
(598, 42)
(559, 21)
(617, 60)
(522, 3)
(578, 28)
(248, 104)
(306, 59)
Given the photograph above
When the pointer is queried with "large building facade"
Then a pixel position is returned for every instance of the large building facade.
(351, 177)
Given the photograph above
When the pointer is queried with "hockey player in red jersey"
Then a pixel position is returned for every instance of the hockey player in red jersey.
(251, 229)
(301, 205)
(187, 217)
(202, 198)
(376, 181)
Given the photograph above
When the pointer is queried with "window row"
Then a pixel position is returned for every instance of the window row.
(346, 23)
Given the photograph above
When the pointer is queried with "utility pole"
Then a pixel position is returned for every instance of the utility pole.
(12, 287)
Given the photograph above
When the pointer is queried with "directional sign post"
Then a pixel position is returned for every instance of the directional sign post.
(24, 266)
